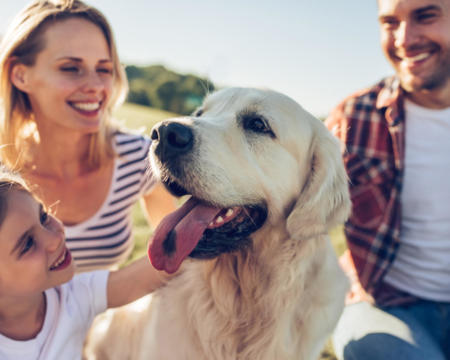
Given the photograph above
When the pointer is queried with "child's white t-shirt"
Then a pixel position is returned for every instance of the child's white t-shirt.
(71, 309)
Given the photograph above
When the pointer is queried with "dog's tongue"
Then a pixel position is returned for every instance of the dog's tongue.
(178, 234)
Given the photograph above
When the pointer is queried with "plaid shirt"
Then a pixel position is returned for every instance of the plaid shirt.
(371, 125)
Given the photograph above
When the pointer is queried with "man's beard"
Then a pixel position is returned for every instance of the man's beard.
(439, 78)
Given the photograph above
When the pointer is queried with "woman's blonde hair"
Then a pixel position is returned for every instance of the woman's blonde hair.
(22, 42)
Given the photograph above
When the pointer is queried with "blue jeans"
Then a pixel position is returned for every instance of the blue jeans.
(419, 331)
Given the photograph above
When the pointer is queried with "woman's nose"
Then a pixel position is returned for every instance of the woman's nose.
(94, 82)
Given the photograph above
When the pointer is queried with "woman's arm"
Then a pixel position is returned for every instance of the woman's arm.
(134, 281)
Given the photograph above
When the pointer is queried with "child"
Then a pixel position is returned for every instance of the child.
(46, 311)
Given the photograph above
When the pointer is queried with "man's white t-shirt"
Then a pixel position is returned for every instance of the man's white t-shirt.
(422, 263)
(70, 311)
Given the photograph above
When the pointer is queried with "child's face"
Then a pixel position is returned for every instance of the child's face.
(33, 254)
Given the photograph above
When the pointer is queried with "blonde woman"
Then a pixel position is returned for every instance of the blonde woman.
(61, 79)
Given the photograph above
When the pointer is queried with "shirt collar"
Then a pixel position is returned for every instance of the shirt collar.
(391, 98)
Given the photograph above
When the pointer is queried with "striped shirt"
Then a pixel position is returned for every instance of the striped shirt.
(370, 124)
(105, 239)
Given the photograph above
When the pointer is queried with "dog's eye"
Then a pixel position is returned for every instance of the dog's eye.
(257, 124)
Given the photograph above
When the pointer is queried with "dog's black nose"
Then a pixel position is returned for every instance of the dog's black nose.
(173, 139)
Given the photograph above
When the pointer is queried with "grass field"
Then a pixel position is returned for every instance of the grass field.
(140, 117)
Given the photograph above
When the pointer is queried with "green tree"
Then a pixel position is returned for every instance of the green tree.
(165, 89)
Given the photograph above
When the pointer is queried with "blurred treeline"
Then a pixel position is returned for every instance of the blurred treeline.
(164, 89)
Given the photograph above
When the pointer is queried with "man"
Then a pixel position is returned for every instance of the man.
(396, 138)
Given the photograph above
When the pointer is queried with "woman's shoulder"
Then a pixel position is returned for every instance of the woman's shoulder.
(124, 139)
(128, 143)
(133, 163)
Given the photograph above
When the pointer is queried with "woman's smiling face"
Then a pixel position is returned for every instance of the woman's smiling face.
(71, 81)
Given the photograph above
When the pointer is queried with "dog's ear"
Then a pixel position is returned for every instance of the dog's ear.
(324, 201)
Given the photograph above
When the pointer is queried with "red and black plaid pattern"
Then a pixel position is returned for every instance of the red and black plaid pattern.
(370, 125)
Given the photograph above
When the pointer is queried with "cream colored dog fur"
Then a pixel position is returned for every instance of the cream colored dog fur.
(278, 296)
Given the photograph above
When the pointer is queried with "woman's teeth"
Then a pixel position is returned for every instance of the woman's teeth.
(86, 106)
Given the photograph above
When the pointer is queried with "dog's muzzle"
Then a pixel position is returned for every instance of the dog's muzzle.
(198, 228)
(171, 140)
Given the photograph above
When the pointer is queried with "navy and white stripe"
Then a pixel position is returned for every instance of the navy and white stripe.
(105, 240)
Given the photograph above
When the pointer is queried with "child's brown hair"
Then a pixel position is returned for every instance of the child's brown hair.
(9, 181)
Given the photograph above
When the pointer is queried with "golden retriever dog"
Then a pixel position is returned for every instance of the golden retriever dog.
(258, 277)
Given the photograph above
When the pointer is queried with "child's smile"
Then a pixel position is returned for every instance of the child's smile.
(63, 261)
(33, 254)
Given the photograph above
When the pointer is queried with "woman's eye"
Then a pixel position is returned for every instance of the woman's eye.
(70, 69)
(29, 243)
(105, 71)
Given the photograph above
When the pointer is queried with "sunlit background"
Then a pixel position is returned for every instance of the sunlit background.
(314, 51)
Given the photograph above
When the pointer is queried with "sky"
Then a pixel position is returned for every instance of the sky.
(315, 51)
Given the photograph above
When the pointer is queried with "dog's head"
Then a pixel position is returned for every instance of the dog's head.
(249, 158)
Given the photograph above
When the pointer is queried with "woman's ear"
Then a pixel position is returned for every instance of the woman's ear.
(19, 75)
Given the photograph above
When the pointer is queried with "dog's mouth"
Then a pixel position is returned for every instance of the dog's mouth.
(201, 230)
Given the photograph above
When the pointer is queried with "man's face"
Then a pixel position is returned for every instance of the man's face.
(415, 37)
